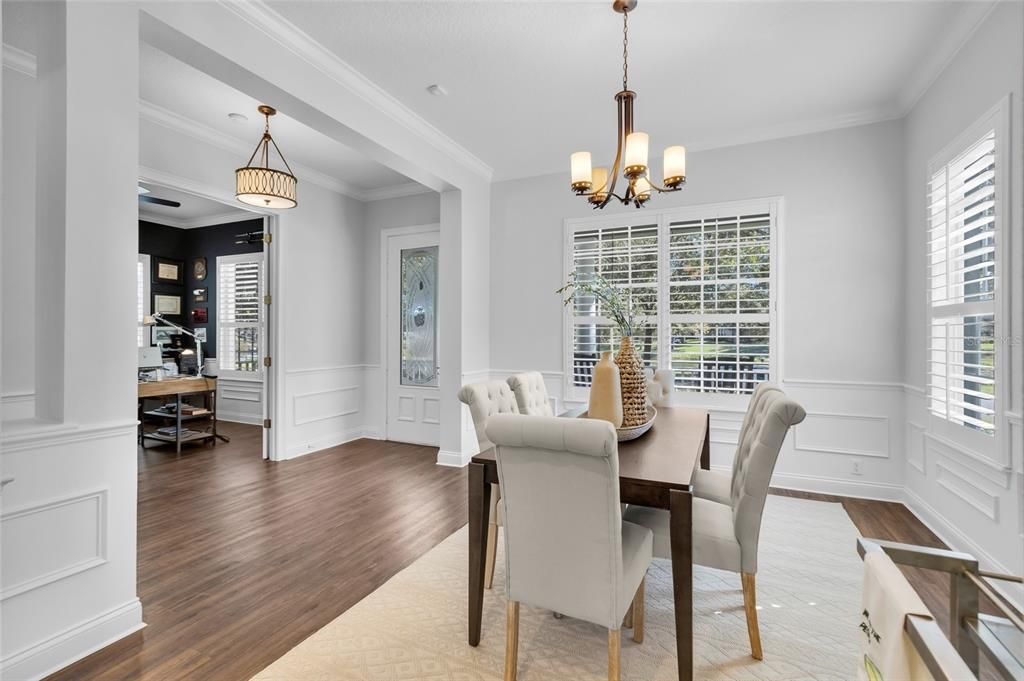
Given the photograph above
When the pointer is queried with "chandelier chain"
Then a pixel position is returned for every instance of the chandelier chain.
(625, 50)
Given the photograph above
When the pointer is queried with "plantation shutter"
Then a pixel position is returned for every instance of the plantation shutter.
(719, 299)
(239, 309)
(627, 257)
(961, 284)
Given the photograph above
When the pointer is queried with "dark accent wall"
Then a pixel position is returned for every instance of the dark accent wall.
(186, 245)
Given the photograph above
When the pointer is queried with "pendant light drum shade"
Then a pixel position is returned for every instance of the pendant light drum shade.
(265, 187)
(257, 184)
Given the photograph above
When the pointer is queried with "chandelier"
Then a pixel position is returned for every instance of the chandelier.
(263, 186)
(598, 184)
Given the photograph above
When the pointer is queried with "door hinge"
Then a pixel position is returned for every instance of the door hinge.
(268, 238)
(266, 361)
(266, 299)
(266, 423)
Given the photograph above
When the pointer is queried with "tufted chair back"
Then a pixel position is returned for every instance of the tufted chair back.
(484, 400)
(563, 526)
(762, 435)
(531, 394)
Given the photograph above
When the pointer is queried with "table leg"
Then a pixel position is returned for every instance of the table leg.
(705, 452)
(177, 434)
(681, 534)
(479, 503)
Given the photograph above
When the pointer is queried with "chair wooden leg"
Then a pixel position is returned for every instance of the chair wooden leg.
(750, 606)
(511, 640)
(627, 621)
(614, 646)
(638, 613)
(491, 551)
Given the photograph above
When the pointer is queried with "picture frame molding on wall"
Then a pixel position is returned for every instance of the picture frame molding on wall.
(167, 270)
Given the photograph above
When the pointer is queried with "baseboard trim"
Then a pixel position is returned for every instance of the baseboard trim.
(876, 491)
(71, 645)
(246, 419)
(453, 459)
(329, 441)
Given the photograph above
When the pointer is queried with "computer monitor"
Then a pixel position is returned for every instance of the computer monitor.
(149, 358)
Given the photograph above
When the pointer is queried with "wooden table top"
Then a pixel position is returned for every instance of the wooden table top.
(665, 456)
(176, 386)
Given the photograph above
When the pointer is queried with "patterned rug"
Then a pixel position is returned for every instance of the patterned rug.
(414, 627)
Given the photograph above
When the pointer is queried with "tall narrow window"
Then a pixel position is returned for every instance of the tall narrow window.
(703, 277)
(627, 257)
(962, 262)
(240, 313)
(142, 289)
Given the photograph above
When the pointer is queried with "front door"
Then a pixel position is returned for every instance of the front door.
(413, 402)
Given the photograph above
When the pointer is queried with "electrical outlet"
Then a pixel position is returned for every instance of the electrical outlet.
(856, 467)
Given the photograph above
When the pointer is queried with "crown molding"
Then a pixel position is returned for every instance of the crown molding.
(261, 16)
(396, 191)
(186, 126)
(948, 45)
(19, 60)
(198, 222)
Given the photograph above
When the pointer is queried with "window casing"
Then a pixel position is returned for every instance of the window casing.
(144, 301)
(240, 321)
(965, 367)
(705, 278)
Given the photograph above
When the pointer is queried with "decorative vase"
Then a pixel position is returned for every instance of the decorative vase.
(606, 392)
(633, 384)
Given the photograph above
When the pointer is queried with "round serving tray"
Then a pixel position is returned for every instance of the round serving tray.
(633, 432)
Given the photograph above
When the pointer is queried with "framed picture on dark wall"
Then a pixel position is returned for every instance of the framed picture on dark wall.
(201, 334)
(199, 269)
(200, 295)
(167, 270)
(170, 305)
(200, 315)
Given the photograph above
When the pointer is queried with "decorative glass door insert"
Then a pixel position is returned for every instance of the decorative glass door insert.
(419, 316)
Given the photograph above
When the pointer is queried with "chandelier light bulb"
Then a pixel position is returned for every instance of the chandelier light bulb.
(581, 170)
(675, 166)
(636, 154)
(599, 185)
(642, 188)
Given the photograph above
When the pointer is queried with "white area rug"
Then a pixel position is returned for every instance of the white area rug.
(414, 627)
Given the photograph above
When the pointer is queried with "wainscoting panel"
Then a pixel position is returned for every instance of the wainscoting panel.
(15, 406)
(856, 434)
(67, 536)
(324, 407)
(240, 400)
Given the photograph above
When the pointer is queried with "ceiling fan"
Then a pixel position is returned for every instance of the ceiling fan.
(146, 198)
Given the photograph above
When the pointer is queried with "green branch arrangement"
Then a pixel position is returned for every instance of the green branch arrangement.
(616, 302)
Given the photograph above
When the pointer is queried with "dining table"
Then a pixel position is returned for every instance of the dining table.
(655, 470)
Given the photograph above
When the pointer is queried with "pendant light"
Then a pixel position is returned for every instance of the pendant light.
(263, 186)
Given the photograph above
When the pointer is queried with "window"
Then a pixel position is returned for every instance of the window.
(963, 262)
(142, 290)
(240, 313)
(703, 277)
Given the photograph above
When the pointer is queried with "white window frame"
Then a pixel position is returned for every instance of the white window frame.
(992, 449)
(223, 370)
(144, 333)
(663, 218)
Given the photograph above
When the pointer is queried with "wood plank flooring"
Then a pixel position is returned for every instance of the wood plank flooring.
(241, 559)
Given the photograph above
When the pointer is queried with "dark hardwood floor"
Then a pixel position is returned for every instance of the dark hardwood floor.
(241, 559)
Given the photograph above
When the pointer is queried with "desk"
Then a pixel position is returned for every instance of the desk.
(178, 388)
(655, 470)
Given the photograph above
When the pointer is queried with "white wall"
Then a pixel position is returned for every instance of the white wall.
(67, 579)
(973, 499)
(19, 247)
(841, 356)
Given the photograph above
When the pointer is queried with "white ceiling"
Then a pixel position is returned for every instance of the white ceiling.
(195, 211)
(170, 85)
(530, 82)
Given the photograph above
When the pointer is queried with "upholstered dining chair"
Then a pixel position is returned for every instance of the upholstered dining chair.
(717, 485)
(725, 535)
(567, 547)
(485, 400)
(531, 394)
